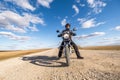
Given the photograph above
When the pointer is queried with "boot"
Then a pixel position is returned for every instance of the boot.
(59, 54)
(80, 57)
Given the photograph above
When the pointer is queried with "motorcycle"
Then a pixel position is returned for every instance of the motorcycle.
(67, 48)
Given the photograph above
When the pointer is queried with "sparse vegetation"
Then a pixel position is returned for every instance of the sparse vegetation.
(11, 54)
(101, 48)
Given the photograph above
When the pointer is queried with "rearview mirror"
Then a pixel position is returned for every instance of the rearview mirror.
(74, 29)
(57, 31)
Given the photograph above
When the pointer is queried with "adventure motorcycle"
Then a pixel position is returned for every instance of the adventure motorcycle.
(67, 48)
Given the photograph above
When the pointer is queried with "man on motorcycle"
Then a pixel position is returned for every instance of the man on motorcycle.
(67, 28)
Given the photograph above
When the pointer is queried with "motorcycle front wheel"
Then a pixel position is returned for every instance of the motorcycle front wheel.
(67, 55)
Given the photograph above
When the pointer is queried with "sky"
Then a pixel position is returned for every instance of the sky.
(32, 24)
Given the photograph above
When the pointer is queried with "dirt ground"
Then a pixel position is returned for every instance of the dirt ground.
(96, 65)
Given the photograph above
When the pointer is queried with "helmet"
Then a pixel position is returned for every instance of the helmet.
(66, 26)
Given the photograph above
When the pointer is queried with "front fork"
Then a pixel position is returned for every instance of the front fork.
(69, 46)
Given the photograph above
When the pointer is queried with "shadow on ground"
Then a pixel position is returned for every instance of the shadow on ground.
(46, 61)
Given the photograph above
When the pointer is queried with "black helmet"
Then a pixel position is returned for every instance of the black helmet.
(67, 25)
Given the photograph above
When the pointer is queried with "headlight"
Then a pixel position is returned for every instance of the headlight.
(66, 36)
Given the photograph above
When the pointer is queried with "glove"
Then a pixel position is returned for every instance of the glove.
(59, 35)
(73, 34)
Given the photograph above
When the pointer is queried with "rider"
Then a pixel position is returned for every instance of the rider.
(67, 28)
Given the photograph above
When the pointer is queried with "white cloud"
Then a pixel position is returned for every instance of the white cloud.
(78, 1)
(23, 3)
(33, 19)
(90, 1)
(2, 6)
(14, 28)
(96, 5)
(81, 20)
(117, 28)
(89, 23)
(90, 35)
(98, 33)
(82, 5)
(15, 22)
(45, 3)
(110, 41)
(76, 9)
(10, 35)
(63, 22)
(33, 28)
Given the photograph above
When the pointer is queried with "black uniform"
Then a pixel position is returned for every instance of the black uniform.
(72, 43)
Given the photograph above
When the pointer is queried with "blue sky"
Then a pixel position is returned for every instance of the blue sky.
(32, 24)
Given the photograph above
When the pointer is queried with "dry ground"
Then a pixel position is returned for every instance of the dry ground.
(96, 65)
